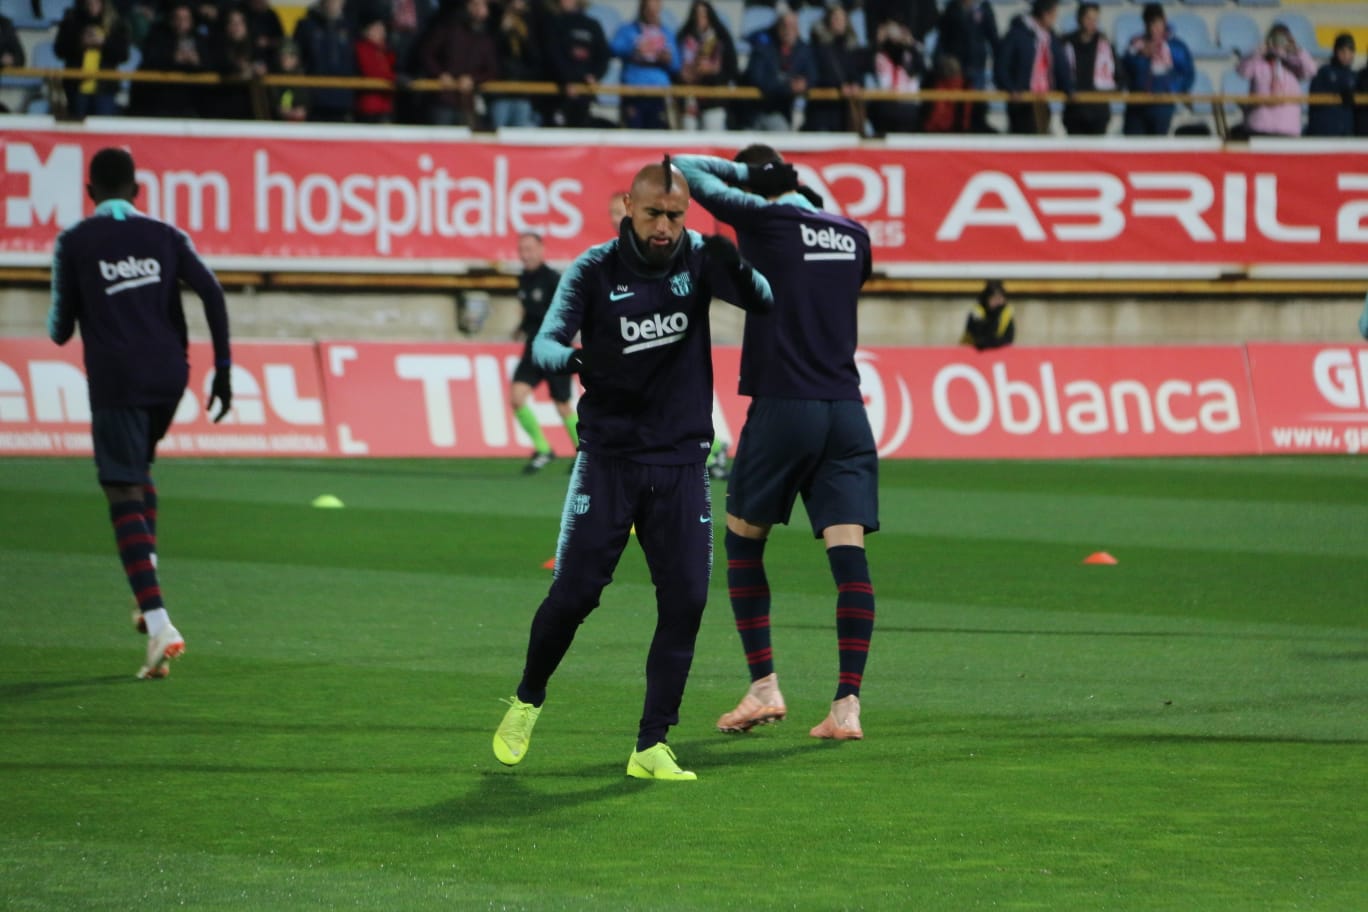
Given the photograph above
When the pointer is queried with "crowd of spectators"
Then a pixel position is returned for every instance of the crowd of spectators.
(906, 45)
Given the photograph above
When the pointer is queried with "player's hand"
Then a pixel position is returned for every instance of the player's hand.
(578, 363)
(772, 178)
(721, 251)
(222, 391)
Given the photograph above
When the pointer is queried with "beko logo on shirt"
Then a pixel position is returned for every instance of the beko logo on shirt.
(132, 272)
(833, 244)
(653, 331)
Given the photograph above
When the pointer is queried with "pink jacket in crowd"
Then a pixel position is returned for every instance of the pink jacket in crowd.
(1279, 76)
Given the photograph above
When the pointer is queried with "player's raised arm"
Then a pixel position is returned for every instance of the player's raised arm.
(735, 192)
(61, 321)
(734, 280)
(551, 349)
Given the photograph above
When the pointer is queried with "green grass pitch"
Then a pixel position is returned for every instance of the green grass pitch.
(1187, 730)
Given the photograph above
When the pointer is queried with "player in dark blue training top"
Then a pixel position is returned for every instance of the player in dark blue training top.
(640, 303)
(806, 431)
(536, 288)
(116, 275)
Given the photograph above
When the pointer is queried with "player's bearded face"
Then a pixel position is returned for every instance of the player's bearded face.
(657, 220)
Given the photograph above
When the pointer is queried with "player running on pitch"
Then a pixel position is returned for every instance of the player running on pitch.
(641, 304)
(806, 431)
(116, 274)
(536, 288)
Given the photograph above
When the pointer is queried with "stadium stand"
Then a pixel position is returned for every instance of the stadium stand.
(1238, 33)
(1192, 29)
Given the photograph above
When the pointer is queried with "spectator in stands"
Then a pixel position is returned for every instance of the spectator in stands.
(1093, 63)
(841, 64)
(11, 51)
(208, 20)
(1156, 61)
(289, 103)
(519, 59)
(139, 18)
(781, 67)
(375, 59)
(1361, 111)
(266, 30)
(944, 116)
(235, 59)
(324, 40)
(1032, 59)
(650, 58)
(91, 36)
(707, 57)
(1335, 78)
(458, 50)
(1275, 68)
(898, 67)
(990, 324)
(969, 33)
(174, 45)
(920, 17)
(578, 53)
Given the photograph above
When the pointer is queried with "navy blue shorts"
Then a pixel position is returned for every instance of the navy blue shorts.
(823, 450)
(528, 372)
(126, 441)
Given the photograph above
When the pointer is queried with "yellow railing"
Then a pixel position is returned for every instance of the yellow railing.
(856, 98)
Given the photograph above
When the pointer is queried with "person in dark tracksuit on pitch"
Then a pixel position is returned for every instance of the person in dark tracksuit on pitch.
(806, 430)
(116, 275)
(640, 303)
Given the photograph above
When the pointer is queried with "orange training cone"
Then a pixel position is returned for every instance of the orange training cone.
(1100, 557)
(551, 563)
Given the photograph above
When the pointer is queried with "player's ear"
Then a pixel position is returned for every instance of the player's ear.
(134, 195)
(90, 192)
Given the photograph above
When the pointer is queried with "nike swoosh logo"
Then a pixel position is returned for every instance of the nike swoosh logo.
(614, 296)
(704, 519)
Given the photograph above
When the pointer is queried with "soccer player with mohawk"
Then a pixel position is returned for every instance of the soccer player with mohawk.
(806, 430)
(640, 303)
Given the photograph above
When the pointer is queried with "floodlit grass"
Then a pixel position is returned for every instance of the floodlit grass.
(1187, 730)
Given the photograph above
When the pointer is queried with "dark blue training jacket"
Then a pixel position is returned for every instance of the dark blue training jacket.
(117, 274)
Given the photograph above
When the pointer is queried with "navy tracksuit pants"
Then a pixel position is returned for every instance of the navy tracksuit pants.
(671, 508)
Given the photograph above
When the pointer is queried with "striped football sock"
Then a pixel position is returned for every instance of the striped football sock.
(136, 550)
(750, 600)
(854, 614)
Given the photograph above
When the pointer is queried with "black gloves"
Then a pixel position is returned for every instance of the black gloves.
(578, 362)
(723, 252)
(771, 178)
(222, 391)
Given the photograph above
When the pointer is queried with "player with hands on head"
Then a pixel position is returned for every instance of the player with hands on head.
(640, 303)
(117, 276)
(806, 431)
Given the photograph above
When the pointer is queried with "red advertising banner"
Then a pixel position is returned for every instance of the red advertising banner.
(451, 400)
(1058, 402)
(359, 200)
(277, 402)
(1311, 398)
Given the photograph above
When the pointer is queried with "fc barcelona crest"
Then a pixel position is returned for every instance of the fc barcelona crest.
(680, 284)
(579, 504)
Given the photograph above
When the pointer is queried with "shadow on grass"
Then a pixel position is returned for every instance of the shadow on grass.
(1137, 634)
(21, 690)
(501, 795)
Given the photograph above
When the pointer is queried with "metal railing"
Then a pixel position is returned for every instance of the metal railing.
(856, 98)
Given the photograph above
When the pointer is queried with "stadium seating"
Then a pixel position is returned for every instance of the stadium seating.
(1236, 32)
(809, 16)
(607, 17)
(1304, 33)
(756, 19)
(20, 12)
(1126, 26)
(1258, 3)
(1192, 29)
(1204, 2)
(1232, 83)
(857, 24)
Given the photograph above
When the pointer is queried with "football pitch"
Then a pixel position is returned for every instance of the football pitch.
(1186, 730)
